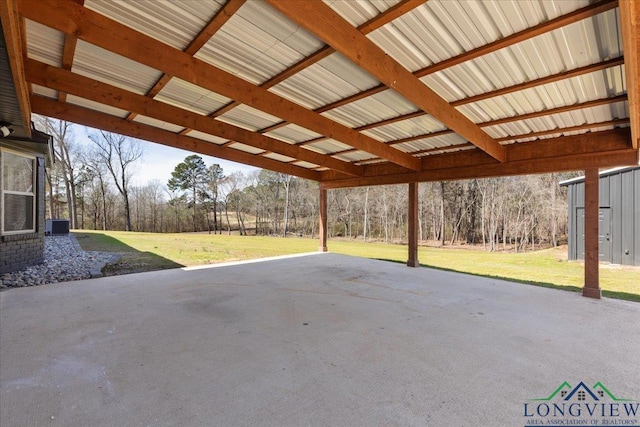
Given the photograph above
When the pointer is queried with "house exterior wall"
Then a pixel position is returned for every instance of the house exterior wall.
(18, 251)
(620, 207)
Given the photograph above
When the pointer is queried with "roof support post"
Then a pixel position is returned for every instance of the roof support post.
(591, 221)
(413, 225)
(323, 220)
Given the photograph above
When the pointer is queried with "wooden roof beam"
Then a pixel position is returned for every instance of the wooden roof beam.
(595, 149)
(94, 119)
(630, 22)
(11, 28)
(219, 19)
(106, 33)
(84, 87)
(322, 21)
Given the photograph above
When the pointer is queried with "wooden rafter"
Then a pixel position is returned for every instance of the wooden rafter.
(72, 113)
(219, 19)
(630, 22)
(511, 119)
(518, 37)
(596, 149)
(101, 31)
(68, 52)
(70, 42)
(11, 29)
(583, 126)
(84, 87)
(325, 23)
(557, 110)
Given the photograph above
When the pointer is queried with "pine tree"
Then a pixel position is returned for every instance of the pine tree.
(191, 174)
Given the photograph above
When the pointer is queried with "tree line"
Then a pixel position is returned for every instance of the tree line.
(91, 185)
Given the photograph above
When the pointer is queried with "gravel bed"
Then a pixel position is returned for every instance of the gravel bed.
(64, 260)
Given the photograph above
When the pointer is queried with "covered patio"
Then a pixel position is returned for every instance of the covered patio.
(350, 342)
(347, 93)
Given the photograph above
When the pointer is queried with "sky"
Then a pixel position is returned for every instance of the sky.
(158, 161)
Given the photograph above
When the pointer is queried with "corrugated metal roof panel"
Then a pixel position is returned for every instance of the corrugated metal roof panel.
(372, 109)
(157, 123)
(597, 114)
(361, 11)
(598, 85)
(100, 64)
(207, 137)
(191, 97)
(430, 143)
(248, 118)
(406, 128)
(354, 156)
(411, 30)
(560, 134)
(257, 43)
(279, 157)
(44, 44)
(44, 91)
(372, 162)
(174, 22)
(293, 133)
(417, 145)
(327, 146)
(446, 150)
(441, 29)
(86, 103)
(307, 165)
(529, 60)
(329, 80)
(246, 148)
(570, 47)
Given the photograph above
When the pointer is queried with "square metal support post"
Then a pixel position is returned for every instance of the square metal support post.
(413, 225)
(591, 222)
(323, 221)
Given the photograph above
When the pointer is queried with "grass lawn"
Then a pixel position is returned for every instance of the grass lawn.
(149, 251)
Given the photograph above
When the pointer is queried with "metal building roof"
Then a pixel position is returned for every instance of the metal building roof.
(602, 174)
(344, 92)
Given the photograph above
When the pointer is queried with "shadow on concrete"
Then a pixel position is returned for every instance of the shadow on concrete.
(609, 294)
(131, 260)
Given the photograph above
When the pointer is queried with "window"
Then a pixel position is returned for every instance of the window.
(18, 193)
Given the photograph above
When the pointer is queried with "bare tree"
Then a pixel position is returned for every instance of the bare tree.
(118, 153)
(66, 156)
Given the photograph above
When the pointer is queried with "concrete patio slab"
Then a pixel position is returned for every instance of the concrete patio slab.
(322, 340)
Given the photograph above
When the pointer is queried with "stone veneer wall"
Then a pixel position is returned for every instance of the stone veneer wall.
(18, 251)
